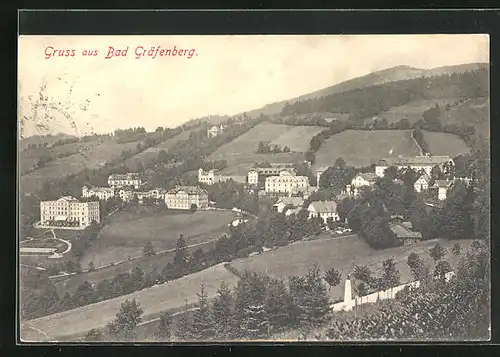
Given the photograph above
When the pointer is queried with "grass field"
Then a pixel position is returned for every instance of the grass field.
(413, 111)
(154, 301)
(342, 254)
(364, 147)
(241, 152)
(445, 144)
(149, 155)
(74, 164)
(127, 233)
(472, 112)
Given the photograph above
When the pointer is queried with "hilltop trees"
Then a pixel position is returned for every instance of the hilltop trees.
(127, 319)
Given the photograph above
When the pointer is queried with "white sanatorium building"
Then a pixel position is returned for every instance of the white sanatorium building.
(103, 193)
(286, 182)
(184, 197)
(255, 173)
(69, 209)
(417, 163)
(120, 180)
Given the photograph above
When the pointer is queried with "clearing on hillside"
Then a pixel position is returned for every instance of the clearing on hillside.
(151, 154)
(241, 152)
(414, 110)
(445, 144)
(472, 112)
(361, 148)
(96, 157)
(128, 232)
(341, 253)
(154, 301)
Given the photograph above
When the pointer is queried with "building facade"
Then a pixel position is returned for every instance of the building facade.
(68, 210)
(416, 163)
(443, 187)
(292, 202)
(286, 183)
(215, 131)
(422, 183)
(255, 174)
(209, 177)
(362, 179)
(319, 172)
(324, 210)
(103, 193)
(121, 180)
(185, 197)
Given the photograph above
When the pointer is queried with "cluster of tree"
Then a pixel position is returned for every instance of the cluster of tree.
(337, 176)
(310, 120)
(458, 309)
(214, 165)
(371, 101)
(231, 194)
(129, 135)
(267, 148)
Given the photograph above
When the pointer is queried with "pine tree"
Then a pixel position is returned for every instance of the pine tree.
(277, 304)
(202, 328)
(223, 312)
(437, 252)
(390, 276)
(332, 277)
(163, 331)
(127, 318)
(181, 258)
(183, 325)
(316, 303)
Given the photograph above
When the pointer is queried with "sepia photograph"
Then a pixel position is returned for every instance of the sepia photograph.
(253, 188)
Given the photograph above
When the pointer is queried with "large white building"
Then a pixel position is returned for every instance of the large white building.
(215, 131)
(255, 173)
(121, 180)
(184, 197)
(209, 177)
(416, 163)
(68, 210)
(324, 210)
(363, 179)
(286, 183)
(103, 193)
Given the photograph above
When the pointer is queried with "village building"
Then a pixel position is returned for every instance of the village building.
(291, 211)
(286, 183)
(215, 130)
(121, 180)
(103, 193)
(319, 172)
(68, 211)
(443, 187)
(186, 197)
(155, 194)
(255, 174)
(404, 233)
(422, 183)
(212, 177)
(363, 179)
(416, 163)
(291, 202)
(324, 210)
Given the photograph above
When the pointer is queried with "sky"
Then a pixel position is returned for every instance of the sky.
(226, 75)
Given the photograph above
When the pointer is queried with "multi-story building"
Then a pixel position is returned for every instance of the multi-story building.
(69, 211)
(286, 183)
(443, 187)
(319, 172)
(324, 210)
(362, 179)
(215, 131)
(422, 183)
(121, 180)
(184, 197)
(254, 174)
(416, 163)
(291, 202)
(103, 193)
(209, 177)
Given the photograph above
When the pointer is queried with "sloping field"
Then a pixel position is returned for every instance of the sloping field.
(28, 158)
(153, 301)
(127, 233)
(445, 144)
(241, 152)
(472, 112)
(413, 111)
(150, 154)
(364, 147)
(342, 254)
(95, 157)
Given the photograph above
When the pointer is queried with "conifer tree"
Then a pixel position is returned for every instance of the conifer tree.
(164, 331)
(223, 312)
(277, 304)
(202, 327)
(181, 258)
(183, 325)
(316, 302)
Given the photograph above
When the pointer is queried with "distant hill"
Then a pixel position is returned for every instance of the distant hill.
(393, 74)
(210, 119)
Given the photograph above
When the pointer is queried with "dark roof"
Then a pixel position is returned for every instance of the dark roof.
(402, 232)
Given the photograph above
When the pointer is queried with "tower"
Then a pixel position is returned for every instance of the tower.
(348, 303)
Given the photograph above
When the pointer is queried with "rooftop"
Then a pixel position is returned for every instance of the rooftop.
(416, 160)
(368, 176)
(444, 183)
(323, 206)
(190, 190)
(293, 201)
(402, 232)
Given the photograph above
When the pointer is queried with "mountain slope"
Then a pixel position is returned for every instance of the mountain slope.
(380, 77)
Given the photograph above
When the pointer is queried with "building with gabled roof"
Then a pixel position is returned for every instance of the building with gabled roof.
(70, 212)
(186, 197)
(324, 210)
(404, 234)
(416, 163)
(422, 183)
(292, 202)
(362, 179)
